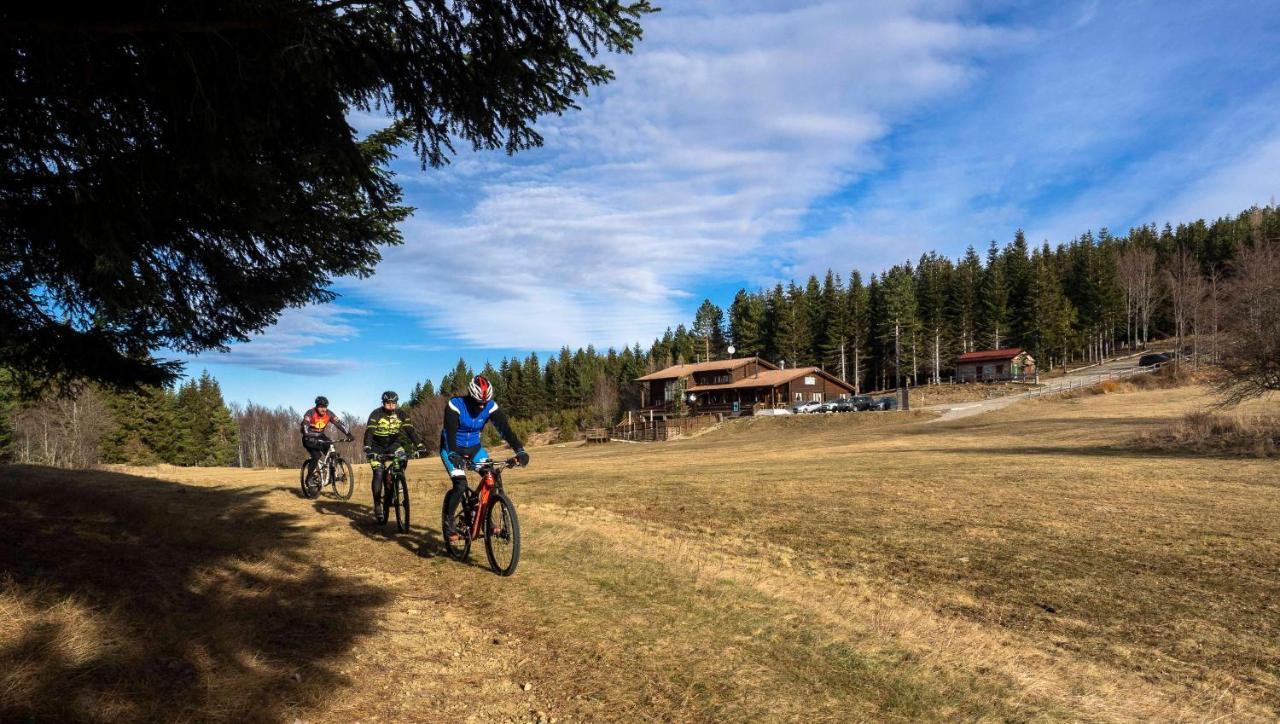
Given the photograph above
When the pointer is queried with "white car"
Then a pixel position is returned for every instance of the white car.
(806, 407)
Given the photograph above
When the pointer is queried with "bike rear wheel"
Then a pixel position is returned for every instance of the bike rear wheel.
(502, 535)
(460, 549)
(400, 499)
(344, 480)
(309, 489)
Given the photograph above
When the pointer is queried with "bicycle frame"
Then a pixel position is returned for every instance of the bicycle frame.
(324, 473)
(329, 463)
(490, 480)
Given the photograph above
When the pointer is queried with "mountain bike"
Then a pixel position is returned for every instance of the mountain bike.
(333, 471)
(485, 510)
(395, 489)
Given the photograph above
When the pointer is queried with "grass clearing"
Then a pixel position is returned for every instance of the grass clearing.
(1023, 564)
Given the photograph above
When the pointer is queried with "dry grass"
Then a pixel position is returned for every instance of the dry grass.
(1215, 433)
(963, 392)
(1018, 565)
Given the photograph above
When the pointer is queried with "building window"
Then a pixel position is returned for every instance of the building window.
(799, 397)
(811, 380)
(817, 397)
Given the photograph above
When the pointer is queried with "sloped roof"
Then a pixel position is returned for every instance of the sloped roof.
(990, 355)
(675, 371)
(771, 378)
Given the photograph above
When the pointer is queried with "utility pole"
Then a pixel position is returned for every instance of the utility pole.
(903, 402)
(857, 386)
(843, 377)
(897, 355)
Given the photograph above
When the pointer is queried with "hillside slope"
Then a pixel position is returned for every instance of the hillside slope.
(1023, 564)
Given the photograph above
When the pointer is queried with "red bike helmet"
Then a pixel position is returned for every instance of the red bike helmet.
(480, 389)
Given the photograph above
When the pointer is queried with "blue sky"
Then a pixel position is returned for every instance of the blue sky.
(747, 142)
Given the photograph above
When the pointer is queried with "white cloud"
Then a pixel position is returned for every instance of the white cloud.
(366, 122)
(1109, 115)
(291, 344)
(728, 124)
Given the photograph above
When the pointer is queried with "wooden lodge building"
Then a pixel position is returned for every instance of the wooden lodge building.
(742, 386)
(995, 365)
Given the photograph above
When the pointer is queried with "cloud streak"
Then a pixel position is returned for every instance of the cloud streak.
(718, 137)
(300, 343)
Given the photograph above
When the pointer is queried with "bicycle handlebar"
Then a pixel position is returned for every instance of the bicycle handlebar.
(461, 461)
(394, 455)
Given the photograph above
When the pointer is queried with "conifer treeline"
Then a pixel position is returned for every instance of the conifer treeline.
(189, 425)
(1080, 300)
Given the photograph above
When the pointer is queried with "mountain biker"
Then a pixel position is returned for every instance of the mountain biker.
(384, 434)
(314, 424)
(464, 419)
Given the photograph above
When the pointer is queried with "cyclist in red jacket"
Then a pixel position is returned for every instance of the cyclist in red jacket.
(314, 424)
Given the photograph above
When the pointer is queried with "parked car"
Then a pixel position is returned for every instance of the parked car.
(860, 403)
(807, 407)
(885, 403)
(1155, 358)
(843, 404)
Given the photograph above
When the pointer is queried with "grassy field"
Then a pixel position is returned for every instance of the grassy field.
(1028, 564)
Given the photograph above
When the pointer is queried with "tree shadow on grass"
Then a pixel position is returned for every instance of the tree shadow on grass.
(421, 540)
(125, 599)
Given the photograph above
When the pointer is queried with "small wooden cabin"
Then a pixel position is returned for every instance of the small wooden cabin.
(996, 365)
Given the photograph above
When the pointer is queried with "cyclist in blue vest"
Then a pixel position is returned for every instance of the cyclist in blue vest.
(464, 419)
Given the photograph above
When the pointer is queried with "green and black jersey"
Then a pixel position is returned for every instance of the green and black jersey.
(388, 427)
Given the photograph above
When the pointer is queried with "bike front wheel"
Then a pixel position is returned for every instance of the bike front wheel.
(344, 480)
(309, 488)
(387, 498)
(502, 535)
(401, 503)
(460, 548)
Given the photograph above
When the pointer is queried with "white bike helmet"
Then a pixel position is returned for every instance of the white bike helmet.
(480, 389)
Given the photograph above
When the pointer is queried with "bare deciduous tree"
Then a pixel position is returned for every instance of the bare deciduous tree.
(1251, 353)
(1136, 267)
(64, 431)
(268, 437)
(1186, 287)
(428, 420)
(604, 401)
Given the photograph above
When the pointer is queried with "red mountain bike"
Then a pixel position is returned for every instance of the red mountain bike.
(485, 511)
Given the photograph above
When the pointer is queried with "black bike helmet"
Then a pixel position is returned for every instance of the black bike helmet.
(390, 396)
(322, 401)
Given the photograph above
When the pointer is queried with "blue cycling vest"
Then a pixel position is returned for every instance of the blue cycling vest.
(469, 427)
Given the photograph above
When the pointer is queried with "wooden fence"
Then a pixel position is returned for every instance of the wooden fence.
(656, 430)
(1077, 382)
